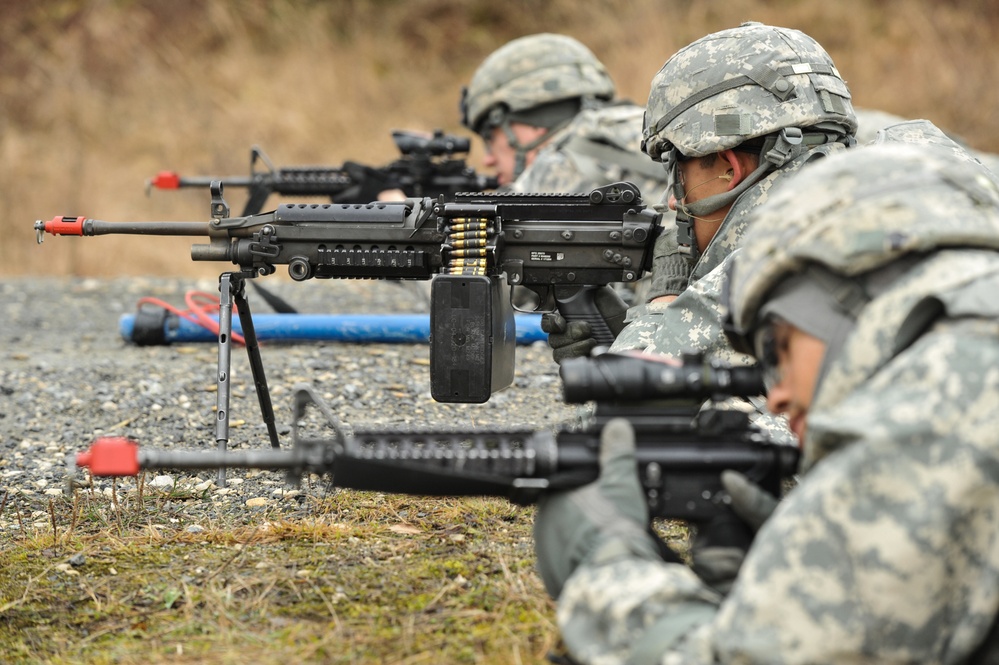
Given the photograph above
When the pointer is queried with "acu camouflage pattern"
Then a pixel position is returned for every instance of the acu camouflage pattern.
(888, 549)
(779, 78)
(670, 274)
(871, 207)
(870, 122)
(693, 322)
(531, 71)
(947, 182)
(791, 83)
(600, 146)
(923, 132)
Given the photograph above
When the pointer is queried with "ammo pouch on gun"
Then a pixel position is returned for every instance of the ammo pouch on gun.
(473, 337)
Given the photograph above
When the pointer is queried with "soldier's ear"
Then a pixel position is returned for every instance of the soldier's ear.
(739, 167)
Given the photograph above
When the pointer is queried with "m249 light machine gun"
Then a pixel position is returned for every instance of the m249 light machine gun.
(561, 246)
(681, 446)
(430, 165)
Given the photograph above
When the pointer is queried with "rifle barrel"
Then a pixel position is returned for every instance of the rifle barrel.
(173, 180)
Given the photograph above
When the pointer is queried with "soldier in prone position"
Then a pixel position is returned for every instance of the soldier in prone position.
(727, 142)
(731, 117)
(867, 292)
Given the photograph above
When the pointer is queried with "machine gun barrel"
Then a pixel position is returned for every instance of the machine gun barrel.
(173, 180)
(291, 181)
(82, 226)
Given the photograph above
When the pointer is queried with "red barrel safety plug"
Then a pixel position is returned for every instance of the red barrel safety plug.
(165, 180)
(63, 225)
(111, 456)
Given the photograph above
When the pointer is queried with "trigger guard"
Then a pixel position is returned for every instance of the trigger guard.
(546, 300)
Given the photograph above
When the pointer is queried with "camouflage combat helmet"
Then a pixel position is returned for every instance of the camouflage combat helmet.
(850, 219)
(743, 83)
(540, 80)
(771, 91)
(533, 71)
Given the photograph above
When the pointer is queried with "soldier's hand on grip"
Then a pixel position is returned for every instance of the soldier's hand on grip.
(598, 522)
(567, 339)
(574, 339)
(720, 546)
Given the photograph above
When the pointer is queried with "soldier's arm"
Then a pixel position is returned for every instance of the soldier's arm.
(553, 171)
(690, 323)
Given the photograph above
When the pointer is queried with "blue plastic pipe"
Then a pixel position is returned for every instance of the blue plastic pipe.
(357, 328)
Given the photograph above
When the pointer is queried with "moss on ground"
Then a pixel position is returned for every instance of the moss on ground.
(355, 577)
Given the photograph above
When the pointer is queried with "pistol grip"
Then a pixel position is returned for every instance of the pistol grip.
(581, 305)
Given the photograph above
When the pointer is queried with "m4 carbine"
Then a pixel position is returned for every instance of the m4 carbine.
(473, 247)
(682, 445)
(429, 166)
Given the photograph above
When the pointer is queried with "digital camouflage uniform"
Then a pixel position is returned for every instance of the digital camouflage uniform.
(693, 320)
(888, 549)
(816, 100)
(687, 111)
(871, 122)
(669, 277)
(553, 81)
(599, 146)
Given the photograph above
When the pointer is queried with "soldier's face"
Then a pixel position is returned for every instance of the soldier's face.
(502, 156)
(794, 359)
(700, 178)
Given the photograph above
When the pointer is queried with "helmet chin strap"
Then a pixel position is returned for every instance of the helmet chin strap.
(520, 160)
(686, 213)
(777, 151)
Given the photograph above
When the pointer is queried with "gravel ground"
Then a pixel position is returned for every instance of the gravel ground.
(67, 377)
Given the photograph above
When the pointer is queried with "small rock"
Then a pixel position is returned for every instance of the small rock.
(257, 501)
(194, 528)
(77, 560)
(164, 482)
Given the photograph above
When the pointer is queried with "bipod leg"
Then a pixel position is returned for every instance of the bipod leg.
(256, 363)
(224, 364)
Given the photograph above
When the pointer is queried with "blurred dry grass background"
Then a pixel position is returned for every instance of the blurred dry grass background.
(98, 95)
